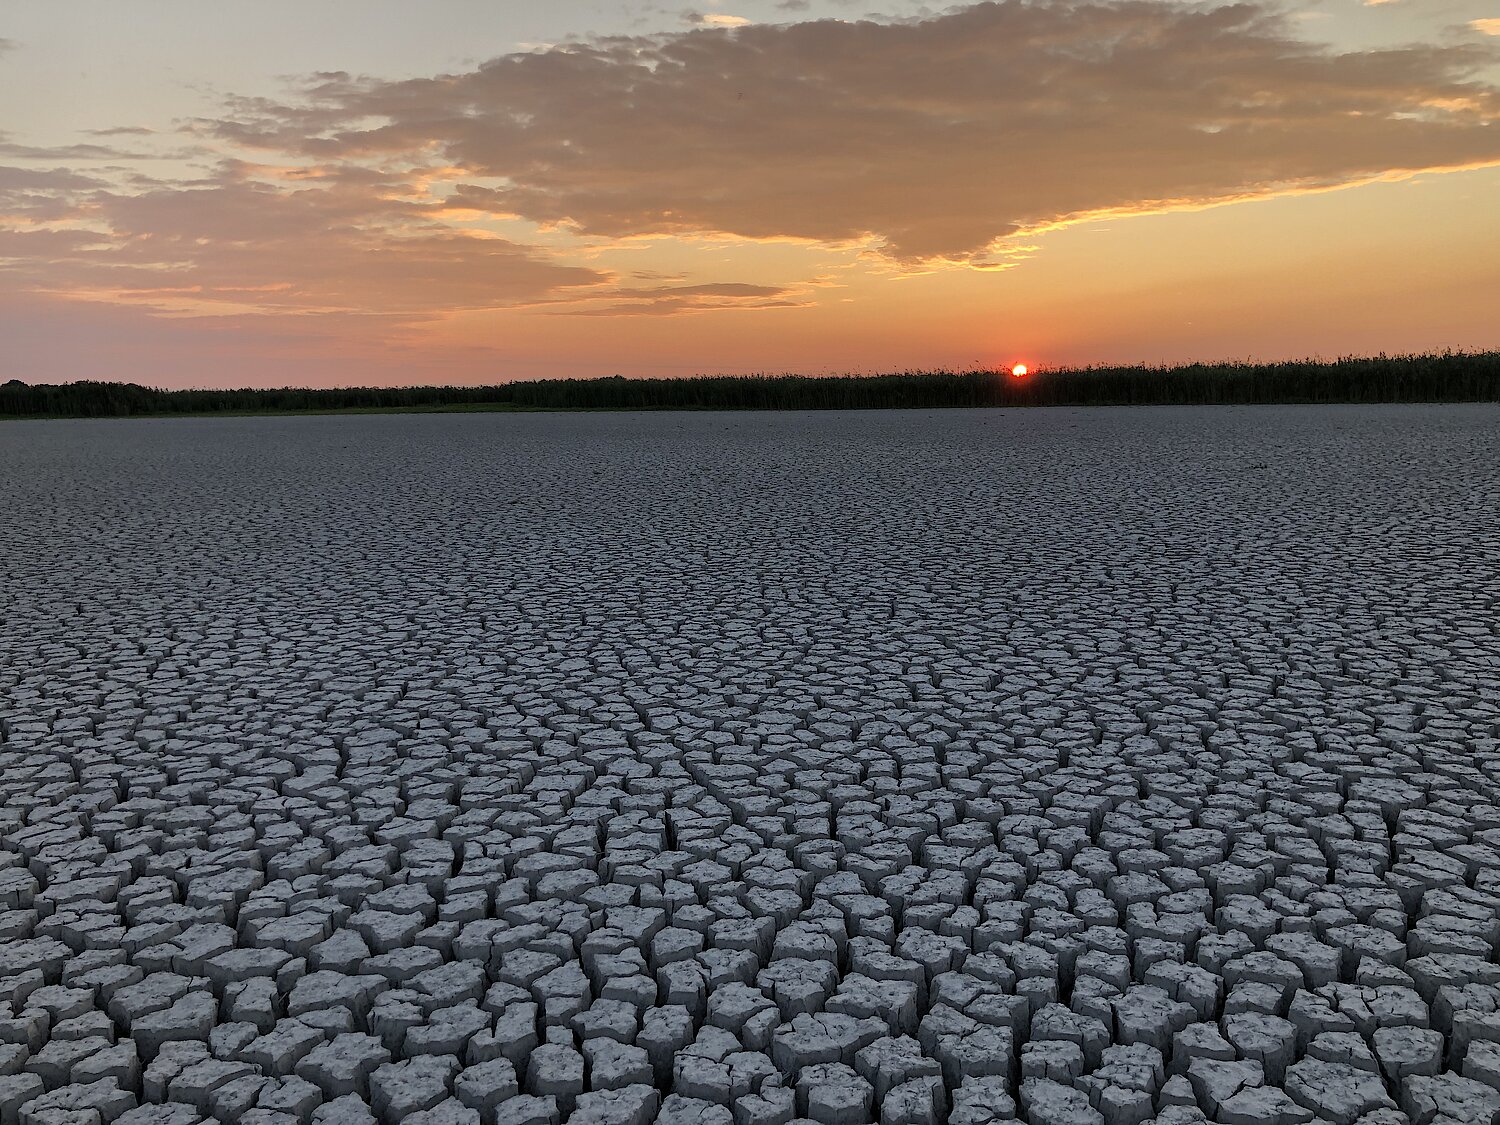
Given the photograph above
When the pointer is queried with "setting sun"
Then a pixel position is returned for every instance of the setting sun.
(1019, 371)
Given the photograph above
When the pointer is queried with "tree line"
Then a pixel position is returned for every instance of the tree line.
(1441, 377)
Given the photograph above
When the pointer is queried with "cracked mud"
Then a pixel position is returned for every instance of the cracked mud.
(1066, 766)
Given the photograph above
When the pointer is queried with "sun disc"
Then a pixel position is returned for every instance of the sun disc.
(1019, 371)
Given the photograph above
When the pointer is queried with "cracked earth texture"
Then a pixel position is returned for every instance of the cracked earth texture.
(1064, 766)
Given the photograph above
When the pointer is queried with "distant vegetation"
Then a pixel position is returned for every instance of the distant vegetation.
(1448, 377)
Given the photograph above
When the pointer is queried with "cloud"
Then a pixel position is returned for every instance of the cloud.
(88, 152)
(932, 137)
(40, 195)
(676, 300)
(347, 245)
(14, 151)
(1486, 26)
(715, 19)
(16, 181)
(327, 243)
(8, 45)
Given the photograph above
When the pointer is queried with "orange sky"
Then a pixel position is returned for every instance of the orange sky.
(752, 187)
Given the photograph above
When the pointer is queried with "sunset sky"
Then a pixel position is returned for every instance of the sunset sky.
(369, 191)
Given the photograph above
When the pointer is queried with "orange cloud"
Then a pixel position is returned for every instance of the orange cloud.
(933, 137)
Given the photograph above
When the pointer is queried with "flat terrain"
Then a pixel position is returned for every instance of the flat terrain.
(1072, 766)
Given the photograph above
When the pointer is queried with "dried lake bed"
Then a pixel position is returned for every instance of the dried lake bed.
(1069, 766)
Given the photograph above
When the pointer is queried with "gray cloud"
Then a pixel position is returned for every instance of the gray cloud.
(933, 136)
(40, 195)
(14, 180)
(676, 300)
(13, 151)
(122, 131)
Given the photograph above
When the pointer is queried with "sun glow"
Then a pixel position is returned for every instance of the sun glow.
(1019, 371)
